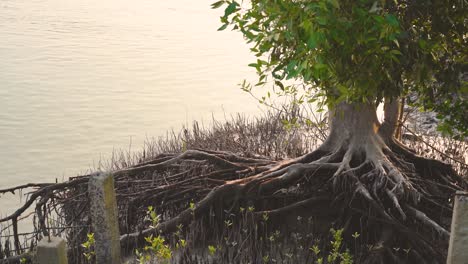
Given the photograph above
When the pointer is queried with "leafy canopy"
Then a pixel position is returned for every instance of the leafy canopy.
(361, 50)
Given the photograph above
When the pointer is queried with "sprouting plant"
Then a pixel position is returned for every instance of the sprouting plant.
(158, 247)
(192, 208)
(315, 249)
(336, 244)
(23, 260)
(356, 235)
(228, 223)
(211, 250)
(89, 246)
(250, 208)
(346, 257)
(296, 236)
(154, 218)
(142, 258)
(179, 229)
(266, 259)
(335, 254)
(265, 216)
(181, 244)
(273, 237)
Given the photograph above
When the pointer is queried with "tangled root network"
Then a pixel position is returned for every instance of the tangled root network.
(379, 189)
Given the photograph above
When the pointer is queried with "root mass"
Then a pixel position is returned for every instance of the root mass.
(360, 179)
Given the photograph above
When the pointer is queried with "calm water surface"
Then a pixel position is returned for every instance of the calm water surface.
(79, 78)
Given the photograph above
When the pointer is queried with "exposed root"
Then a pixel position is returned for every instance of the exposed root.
(363, 183)
(381, 183)
(296, 206)
(230, 192)
(425, 220)
(396, 203)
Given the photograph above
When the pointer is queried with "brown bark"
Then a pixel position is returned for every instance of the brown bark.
(389, 126)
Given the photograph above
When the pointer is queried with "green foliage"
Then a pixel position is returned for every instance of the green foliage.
(142, 258)
(192, 206)
(336, 254)
(154, 218)
(89, 247)
(360, 50)
(156, 245)
(181, 244)
(211, 250)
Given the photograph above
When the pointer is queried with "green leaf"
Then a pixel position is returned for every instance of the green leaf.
(335, 3)
(392, 20)
(378, 19)
(280, 85)
(223, 27)
(320, 66)
(322, 21)
(291, 66)
(422, 44)
(312, 41)
(356, 44)
(217, 4)
(343, 90)
(231, 8)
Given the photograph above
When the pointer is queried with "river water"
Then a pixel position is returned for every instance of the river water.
(79, 78)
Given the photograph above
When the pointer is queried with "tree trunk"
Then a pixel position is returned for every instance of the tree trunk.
(392, 110)
(353, 123)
